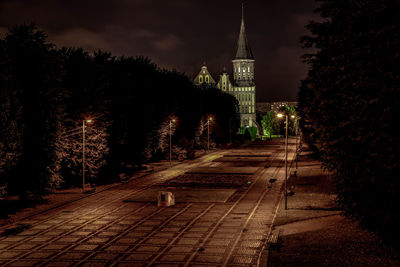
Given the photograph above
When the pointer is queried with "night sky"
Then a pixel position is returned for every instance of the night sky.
(180, 34)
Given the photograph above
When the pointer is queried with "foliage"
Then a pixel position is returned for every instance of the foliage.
(33, 94)
(270, 124)
(68, 167)
(349, 103)
(253, 132)
(159, 145)
(205, 131)
(46, 92)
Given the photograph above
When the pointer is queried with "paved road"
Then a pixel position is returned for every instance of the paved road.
(102, 230)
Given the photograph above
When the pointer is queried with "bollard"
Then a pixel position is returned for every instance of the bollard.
(165, 199)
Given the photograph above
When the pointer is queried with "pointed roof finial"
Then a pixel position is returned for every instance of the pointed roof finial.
(243, 48)
(242, 10)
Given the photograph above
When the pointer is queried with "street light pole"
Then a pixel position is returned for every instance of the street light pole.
(230, 130)
(208, 134)
(286, 155)
(280, 115)
(83, 155)
(297, 149)
(170, 141)
(83, 152)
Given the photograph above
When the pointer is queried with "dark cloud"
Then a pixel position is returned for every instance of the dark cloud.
(180, 34)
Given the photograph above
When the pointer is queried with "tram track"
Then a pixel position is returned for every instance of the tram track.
(204, 221)
(214, 229)
(99, 198)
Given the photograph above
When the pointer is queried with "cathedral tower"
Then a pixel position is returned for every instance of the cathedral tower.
(244, 88)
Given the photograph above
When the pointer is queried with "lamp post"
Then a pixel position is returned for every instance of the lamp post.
(230, 130)
(83, 152)
(297, 149)
(170, 140)
(208, 133)
(280, 115)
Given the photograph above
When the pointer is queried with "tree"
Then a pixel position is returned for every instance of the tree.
(68, 168)
(348, 104)
(10, 110)
(46, 92)
(269, 124)
(35, 72)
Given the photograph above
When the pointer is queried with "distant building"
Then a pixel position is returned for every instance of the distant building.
(204, 78)
(264, 107)
(243, 87)
(224, 83)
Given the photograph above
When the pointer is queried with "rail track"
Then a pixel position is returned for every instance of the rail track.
(103, 230)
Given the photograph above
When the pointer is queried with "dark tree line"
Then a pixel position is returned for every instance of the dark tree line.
(349, 105)
(46, 93)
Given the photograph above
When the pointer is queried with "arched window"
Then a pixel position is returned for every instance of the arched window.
(200, 79)
(207, 79)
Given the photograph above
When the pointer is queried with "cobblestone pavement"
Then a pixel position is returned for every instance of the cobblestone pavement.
(102, 230)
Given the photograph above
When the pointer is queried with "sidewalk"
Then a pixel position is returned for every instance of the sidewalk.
(312, 231)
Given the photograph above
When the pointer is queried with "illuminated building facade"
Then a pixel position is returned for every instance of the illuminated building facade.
(204, 78)
(243, 87)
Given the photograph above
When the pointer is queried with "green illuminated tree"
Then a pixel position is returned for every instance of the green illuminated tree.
(269, 124)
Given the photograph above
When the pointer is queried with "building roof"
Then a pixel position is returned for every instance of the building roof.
(243, 48)
(204, 77)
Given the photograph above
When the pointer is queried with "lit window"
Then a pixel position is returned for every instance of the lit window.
(200, 79)
(207, 79)
(248, 69)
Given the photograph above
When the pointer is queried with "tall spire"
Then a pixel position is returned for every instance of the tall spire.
(242, 11)
(243, 48)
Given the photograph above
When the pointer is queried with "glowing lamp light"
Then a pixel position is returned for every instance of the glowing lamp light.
(279, 115)
(88, 121)
(292, 116)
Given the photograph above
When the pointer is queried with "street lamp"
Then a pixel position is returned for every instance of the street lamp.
(297, 150)
(170, 140)
(208, 133)
(280, 115)
(83, 152)
(297, 143)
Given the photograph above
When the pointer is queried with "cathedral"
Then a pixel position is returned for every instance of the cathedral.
(243, 86)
